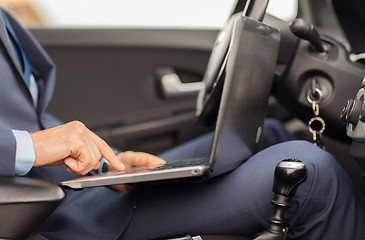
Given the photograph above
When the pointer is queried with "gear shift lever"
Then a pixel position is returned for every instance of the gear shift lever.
(289, 174)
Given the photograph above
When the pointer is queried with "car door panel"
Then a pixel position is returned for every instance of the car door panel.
(109, 79)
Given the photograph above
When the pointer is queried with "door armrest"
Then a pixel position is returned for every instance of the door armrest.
(25, 203)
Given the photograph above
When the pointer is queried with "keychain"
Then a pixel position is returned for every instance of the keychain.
(316, 124)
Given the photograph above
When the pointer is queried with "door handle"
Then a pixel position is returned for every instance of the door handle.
(172, 86)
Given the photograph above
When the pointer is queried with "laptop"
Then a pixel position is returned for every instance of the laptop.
(247, 52)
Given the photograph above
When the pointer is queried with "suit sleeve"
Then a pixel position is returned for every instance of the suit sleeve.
(50, 121)
(7, 152)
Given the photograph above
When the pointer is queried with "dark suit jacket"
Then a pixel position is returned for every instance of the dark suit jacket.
(16, 105)
(97, 213)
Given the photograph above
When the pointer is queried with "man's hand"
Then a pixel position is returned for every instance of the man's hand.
(132, 159)
(74, 145)
(135, 159)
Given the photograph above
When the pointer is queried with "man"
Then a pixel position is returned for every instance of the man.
(325, 207)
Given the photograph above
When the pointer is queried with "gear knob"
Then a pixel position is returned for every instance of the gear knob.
(289, 173)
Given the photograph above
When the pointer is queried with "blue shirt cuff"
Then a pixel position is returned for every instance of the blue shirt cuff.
(25, 155)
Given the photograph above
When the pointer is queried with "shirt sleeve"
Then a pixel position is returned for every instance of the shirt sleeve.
(24, 156)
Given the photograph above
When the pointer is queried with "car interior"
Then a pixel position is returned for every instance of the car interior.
(154, 93)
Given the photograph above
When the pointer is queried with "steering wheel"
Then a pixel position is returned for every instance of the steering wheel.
(209, 96)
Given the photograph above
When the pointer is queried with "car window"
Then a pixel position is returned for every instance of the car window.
(177, 14)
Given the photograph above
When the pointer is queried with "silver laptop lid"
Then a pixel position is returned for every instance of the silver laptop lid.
(248, 75)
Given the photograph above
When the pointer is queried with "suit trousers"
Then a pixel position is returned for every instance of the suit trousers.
(326, 205)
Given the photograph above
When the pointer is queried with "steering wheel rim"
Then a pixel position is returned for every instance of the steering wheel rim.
(208, 100)
(209, 96)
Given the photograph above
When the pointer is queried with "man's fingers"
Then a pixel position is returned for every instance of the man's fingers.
(87, 155)
(80, 167)
(72, 165)
(68, 169)
(94, 151)
(108, 153)
(122, 187)
(139, 159)
(73, 144)
(145, 159)
(128, 158)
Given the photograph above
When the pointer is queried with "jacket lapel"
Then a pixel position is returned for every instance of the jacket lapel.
(41, 63)
(9, 47)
